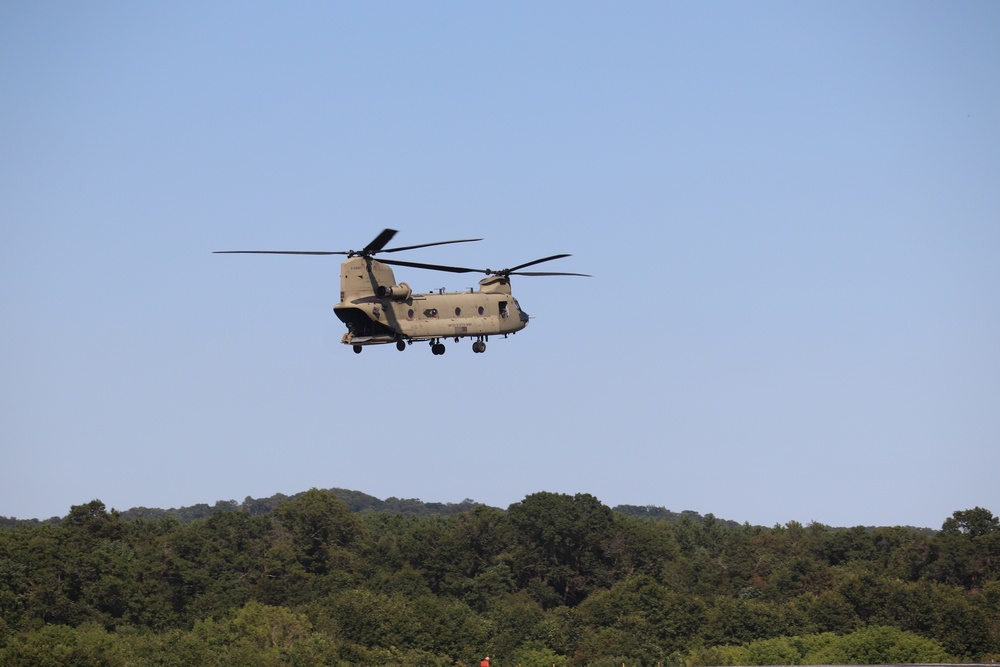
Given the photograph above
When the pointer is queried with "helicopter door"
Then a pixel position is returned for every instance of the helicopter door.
(504, 313)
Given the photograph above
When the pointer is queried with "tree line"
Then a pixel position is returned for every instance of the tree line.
(553, 580)
(356, 501)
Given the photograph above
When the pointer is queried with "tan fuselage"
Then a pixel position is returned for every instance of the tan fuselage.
(394, 312)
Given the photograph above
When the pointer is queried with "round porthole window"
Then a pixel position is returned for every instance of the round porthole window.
(458, 312)
(481, 310)
(409, 314)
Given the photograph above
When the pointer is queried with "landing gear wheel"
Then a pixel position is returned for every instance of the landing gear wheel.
(479, 347)
(400, 345)
(357, 349)
(437, 348)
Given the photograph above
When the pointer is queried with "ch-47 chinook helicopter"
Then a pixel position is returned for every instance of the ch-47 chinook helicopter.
(377, 310)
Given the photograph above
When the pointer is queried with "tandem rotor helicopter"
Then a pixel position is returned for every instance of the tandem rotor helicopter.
(377, 310)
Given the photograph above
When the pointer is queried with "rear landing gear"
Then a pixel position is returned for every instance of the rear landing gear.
(437, 348)
(479, 347)
(400, 345)
(357, 349)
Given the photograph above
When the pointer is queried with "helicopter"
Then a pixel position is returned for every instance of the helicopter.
(379, 311)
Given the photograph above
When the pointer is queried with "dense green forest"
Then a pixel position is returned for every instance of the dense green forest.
(330, 578)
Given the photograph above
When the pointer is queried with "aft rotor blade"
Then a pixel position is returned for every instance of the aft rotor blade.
(463, 269)
(373, 248)
(425, 245)
(386, 235)
(430, 267)
(379, 242)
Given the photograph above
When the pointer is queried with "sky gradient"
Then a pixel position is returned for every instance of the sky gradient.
(791, 212)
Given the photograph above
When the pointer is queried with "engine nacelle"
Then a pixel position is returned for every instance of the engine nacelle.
(400, 292)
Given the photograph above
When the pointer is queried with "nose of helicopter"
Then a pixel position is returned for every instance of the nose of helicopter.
(523, 316)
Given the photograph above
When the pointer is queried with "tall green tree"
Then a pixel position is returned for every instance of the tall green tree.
(321, 528)
(562, 545)
(973, 523)
(967, 551)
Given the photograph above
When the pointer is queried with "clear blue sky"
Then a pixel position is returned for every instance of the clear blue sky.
(791, 212)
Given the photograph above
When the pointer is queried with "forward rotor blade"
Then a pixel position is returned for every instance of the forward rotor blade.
(547, 273)
(277, 252)
(537, 261)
